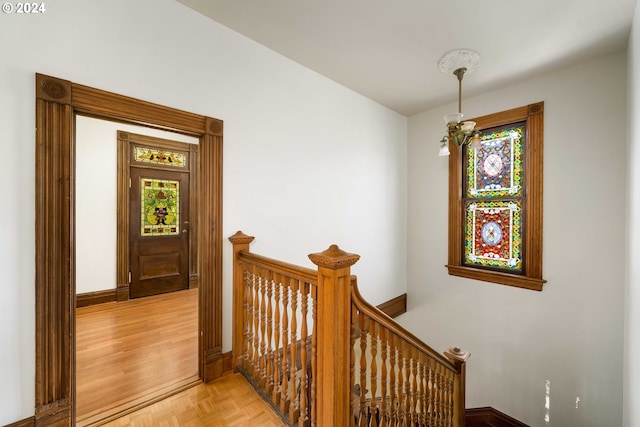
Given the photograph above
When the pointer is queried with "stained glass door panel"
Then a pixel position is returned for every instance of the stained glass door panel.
(160, 207)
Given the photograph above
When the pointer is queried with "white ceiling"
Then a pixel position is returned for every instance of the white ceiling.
(388, 50)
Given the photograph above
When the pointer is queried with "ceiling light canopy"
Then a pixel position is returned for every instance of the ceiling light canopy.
(458, 62)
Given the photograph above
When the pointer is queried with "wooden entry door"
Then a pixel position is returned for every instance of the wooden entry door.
(159, 231)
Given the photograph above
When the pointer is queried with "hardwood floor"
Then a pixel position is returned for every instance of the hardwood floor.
(134, 352)
(227, 401)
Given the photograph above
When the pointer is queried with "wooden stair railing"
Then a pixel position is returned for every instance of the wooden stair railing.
(322, 356)
(406, 382)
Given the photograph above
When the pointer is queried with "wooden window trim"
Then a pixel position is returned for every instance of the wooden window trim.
(533, 115)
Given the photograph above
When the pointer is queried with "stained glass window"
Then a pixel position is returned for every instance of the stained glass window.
(493, 203)
(160, 207)
(159, 157)
(494, 234)
(495, 170)
(495, 200)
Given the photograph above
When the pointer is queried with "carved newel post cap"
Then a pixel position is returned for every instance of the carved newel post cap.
(240, 238)
(455, 354)
(334, 258)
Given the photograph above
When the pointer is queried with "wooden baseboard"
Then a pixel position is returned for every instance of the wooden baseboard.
(97, 297)
(395, 307)
(489, 417)
(27, 422)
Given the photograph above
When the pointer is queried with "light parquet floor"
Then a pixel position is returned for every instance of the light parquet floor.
(227, 401)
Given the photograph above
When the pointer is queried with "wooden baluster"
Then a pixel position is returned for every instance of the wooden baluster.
(384, 410)
(422, 384)
(393, 380)
(263, 329)
(314, 357)
(406, 384)
(432, 392)
(277, 377)
(355, 397)
(248, 362)
(445, 397)
(373, 371)
(269, 326)
(408, 396)
(415, 404)
(256, 327)
(246, 321)
(304, 343)
(362, 412)
(440, 396)
(402, 404)
(286, 398)
(436, 395)
(293, 393)
(452, 397)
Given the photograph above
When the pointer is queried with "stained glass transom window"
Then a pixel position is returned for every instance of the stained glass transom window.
(160, 207)
(493, 236)
(159, 157)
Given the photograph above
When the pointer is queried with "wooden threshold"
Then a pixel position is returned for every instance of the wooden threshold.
(135, 403)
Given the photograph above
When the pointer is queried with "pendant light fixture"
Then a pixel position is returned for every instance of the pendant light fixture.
(458, 62)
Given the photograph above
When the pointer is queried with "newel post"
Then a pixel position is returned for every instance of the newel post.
(459, 357)
(240, 243)
(333, 340)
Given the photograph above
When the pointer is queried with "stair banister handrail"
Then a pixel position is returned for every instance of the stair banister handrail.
(389, 323)
(306, 274)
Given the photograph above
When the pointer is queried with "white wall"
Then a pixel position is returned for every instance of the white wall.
(570, 335)
(632, 296)
(307, 163)
(96, 198)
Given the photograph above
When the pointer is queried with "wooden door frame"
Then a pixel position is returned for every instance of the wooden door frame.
(126, 140)
(57, 103)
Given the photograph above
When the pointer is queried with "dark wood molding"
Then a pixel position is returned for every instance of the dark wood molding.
(27, 422)
(122, 216)
(57, 103)
(55, 254)
(52, 89)
(489, 417)
(497, 277)
(531, 278)
(227, 362)
(395, 307)
(57, 414)
(210, 250)
(97, 297)
(122, 292)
